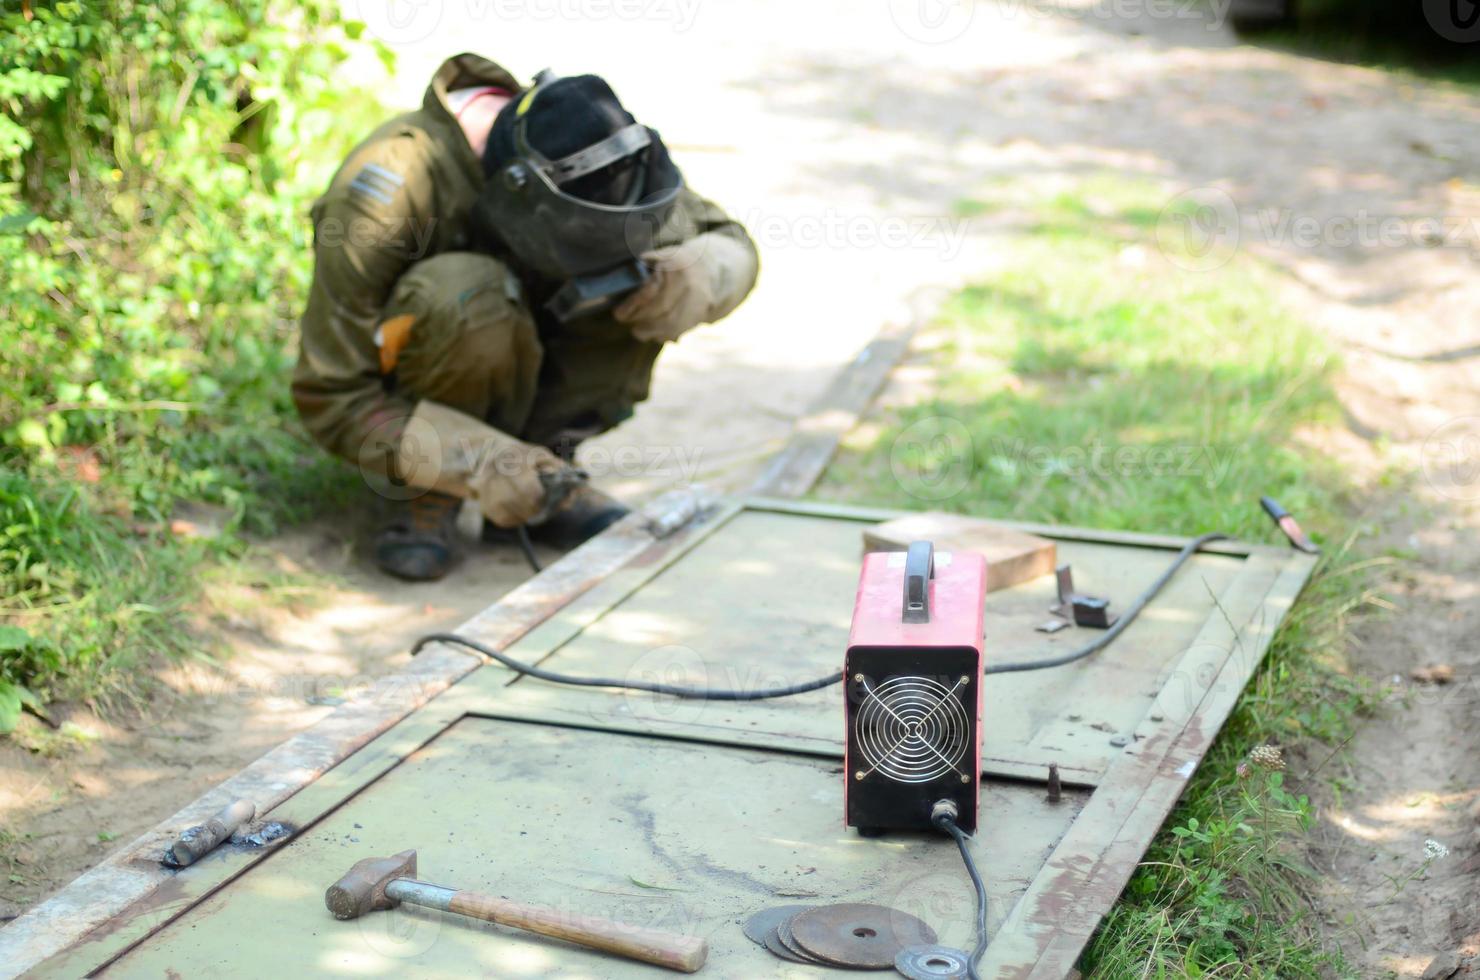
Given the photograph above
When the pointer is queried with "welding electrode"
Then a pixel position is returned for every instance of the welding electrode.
(1287, 523)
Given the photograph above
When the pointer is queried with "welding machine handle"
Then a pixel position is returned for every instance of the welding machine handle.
(919, 569)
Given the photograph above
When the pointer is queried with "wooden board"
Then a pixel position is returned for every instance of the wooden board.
(599, 782)
(1012, 556)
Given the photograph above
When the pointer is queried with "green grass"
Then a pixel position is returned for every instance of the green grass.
(155, 233)
(98, 594)
(1224, 888)
(1094, 381)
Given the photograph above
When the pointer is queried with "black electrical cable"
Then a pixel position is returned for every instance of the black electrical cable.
(947, 823)
(525, 545)
(1119, 626)
(720, 694)
(697, 693)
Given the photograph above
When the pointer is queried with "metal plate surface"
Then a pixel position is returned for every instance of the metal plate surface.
(648, 831)
(766, 599)
(695, 815)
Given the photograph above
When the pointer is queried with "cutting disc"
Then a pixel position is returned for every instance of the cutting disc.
(774, 944)
(764, 922)
(932, 963)
(788, 941)
(861, 936)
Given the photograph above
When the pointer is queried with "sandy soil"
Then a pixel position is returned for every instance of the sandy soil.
(843, 141)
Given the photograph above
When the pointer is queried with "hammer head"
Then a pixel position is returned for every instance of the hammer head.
(362, 889)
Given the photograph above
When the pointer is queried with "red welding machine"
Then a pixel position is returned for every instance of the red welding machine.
(914, 689)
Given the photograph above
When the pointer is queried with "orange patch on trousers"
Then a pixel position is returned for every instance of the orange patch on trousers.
(393, 336)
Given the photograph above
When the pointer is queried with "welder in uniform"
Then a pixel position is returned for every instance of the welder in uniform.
(495, 275)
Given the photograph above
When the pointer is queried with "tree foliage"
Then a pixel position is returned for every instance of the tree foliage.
(156, 160)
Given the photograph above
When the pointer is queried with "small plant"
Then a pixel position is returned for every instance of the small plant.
(1432, 851)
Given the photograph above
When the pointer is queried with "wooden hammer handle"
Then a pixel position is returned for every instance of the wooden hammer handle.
(677, 952)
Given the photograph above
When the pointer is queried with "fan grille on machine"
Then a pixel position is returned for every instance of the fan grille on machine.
(912, 729)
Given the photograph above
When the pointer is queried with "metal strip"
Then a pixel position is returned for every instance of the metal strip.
(1048, 928)
(1057, 532)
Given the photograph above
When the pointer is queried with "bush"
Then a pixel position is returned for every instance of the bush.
(1430, 37)
(156, 163)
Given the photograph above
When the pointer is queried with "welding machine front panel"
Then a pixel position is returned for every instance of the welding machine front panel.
(914, 694)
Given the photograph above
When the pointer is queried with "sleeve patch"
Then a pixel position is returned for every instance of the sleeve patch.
(377, 183)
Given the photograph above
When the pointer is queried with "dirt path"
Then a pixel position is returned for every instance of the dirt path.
(843, 136)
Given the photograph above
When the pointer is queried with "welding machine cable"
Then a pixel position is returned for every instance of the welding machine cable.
(1119, 626)
(674, 690)
(765, 693)
(946, 823)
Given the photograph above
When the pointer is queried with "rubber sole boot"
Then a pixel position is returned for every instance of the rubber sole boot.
(417, 543)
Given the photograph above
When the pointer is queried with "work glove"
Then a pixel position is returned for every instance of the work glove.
(698, 281)
(513, 482)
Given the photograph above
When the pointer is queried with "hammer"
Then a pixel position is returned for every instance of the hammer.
(382, 883)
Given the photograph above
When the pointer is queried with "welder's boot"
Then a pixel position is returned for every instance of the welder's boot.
(417, 542)
(584, 513)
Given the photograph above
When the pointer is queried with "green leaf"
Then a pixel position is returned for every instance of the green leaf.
(32, 433)
(13, 638)
(10, 706)
(12, 223)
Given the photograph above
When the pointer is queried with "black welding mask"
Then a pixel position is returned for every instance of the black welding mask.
(576, 190)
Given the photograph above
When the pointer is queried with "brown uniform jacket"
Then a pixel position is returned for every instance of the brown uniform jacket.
(405, 194)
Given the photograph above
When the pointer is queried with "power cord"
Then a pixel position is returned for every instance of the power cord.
(521, 534)
(943, 816)
(719, 694)
(696, 693)
(1119, 626)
